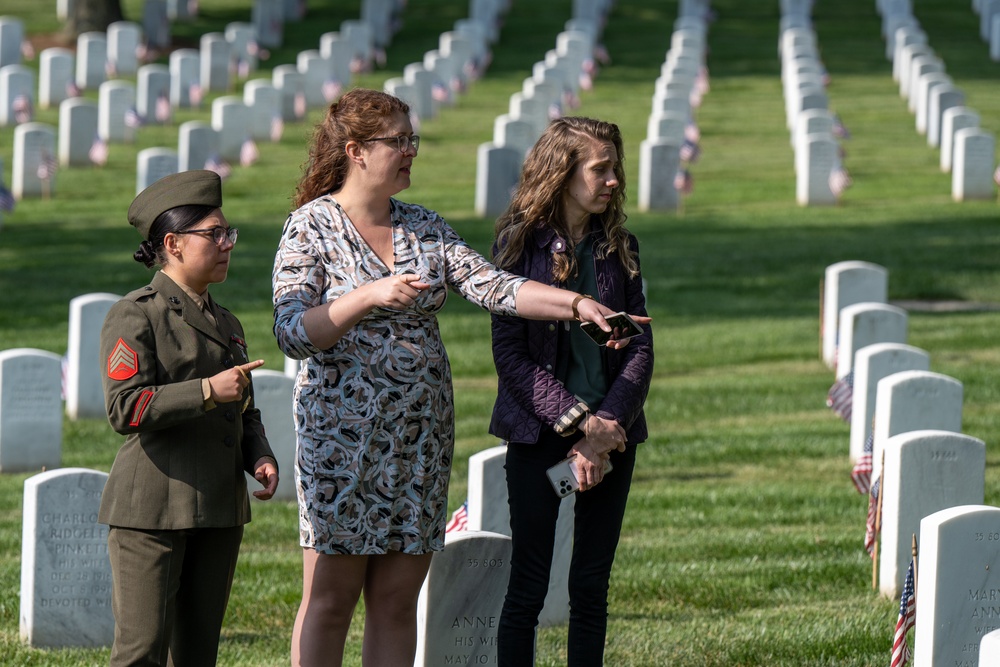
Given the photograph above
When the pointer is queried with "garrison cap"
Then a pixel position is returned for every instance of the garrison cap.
(199, 187)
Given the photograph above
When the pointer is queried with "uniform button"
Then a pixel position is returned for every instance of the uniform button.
(552, 327)
(229, 441)
(548, 367)
(230, 416)
(228, 363)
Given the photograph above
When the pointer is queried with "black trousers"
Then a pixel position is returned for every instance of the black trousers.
(170, 591)
(534, 508)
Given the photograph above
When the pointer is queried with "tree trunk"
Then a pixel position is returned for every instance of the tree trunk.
(87, 15)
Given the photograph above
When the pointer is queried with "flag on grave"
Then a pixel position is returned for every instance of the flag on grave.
(841, 396)
(907, 619)
(871, 523)
(459, 519)
(7, 201)
(861, 474)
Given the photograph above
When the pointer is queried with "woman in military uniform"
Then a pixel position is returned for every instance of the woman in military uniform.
(177, 385)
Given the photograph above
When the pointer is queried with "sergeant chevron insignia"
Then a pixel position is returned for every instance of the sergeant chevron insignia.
(123, 362)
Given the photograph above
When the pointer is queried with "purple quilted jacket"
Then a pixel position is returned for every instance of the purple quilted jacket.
(525, 353)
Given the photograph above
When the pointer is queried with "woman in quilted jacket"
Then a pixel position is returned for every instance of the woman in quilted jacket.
(562, 395)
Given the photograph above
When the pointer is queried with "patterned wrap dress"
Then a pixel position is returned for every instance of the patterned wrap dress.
(374, 414)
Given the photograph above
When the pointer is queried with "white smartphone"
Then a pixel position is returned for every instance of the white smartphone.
(564, 476)
(623, 327)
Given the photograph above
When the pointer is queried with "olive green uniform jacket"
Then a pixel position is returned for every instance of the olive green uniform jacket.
(181, 465)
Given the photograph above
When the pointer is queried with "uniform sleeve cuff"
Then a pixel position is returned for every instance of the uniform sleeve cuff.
(206, 394)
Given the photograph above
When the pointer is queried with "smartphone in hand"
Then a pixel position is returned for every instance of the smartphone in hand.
(564, 476)
(623, 327)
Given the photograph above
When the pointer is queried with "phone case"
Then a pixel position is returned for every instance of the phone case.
(563, 476)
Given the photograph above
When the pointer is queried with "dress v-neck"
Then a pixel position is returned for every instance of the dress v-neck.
(387, 268)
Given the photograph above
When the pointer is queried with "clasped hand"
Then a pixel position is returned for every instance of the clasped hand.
(600, 437)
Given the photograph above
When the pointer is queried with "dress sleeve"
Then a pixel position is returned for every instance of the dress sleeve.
(297, 282)
(475, 278)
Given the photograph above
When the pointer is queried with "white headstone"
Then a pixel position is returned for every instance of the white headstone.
(152, 96)
(317, 79)
(459, 606)
(197, 141)
(668, 126)
(905, 37)
(84, 368)
(268, 18)
(272, 391)
(338, 51)
(359, 34)
(11, 39)
(813, 121)
(231, 119)
(77, 131)
(863, 324)
(815, 159)
(156, 24)
(953, 120)
(914, 401)
(903, 63)
(957, 584)
(942, 98)
(30, 410)
(925, 472)
(152, 164)
(34, 144)
(182, 10)
(531, 109)
(845, 283)
(242, 38)
(489, 511)
(91, 60)
(987, 10)
(292, 367)
(422, 82)
(124, 38)
(114, 100)
(55, 77)
(17, 95)
(215, 62)
(515, 133)
(186, 89)
(973, 165)
(497, 171)
(65, 571)
(926, 84)
(989, 647)
(264, 102)
(659, 160)
(288, 81)
(995, 38)
(871, 364)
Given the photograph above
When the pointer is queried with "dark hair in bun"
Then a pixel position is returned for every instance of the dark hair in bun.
(177, 219)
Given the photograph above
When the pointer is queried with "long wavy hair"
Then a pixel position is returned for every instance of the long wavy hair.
(538, 201)
(359, 115)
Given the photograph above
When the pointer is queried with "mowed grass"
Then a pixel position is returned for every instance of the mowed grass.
(742, 543)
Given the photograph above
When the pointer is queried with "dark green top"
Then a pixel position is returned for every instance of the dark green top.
(582, 370)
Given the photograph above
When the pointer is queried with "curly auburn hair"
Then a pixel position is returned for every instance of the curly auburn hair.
(538, 201)
(359, 115)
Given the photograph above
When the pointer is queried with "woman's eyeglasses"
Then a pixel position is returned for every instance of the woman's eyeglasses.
(403, 142)
(218, 234)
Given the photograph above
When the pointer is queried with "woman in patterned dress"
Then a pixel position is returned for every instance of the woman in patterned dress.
(358, 279)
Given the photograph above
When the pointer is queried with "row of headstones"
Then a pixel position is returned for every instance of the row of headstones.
(989, 24)
(815, 131)
(236, 123)
(929, 472)
(553, 86)
(966, 150)
(672, 135)
(462, 56)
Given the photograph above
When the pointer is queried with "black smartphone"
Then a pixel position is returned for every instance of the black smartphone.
(623, 327)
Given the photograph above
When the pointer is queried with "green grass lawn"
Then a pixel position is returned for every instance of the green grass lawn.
(742, 543)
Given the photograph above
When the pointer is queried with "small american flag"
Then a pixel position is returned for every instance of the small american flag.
(47, 166)
(840, 180)
(277, 127)
(162, 112)
(300, 104)
(440, 92)
(684, 182)
(109, 69)
(72, 90)
(586, 81)
(841, 397)
(839, 130)
(192, 8)
(690, 151)
(331, 90)
(871, 522)
(907, 619)
(459, 519)
(692, 133)
(98, 151)
(996, 176)
(248, 152)
(7, 201)
(22, 108)
(219, 166)
(132, 118)
(242, 68)
(195, 94)
(861, 474)
(27, 50)
(555, 111)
